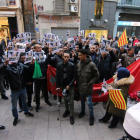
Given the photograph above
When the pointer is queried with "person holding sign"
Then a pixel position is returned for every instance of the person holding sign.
(122, 81)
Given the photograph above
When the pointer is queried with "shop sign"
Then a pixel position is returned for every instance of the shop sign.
(12, 2)
(51, 21)
(3, 3)
(67, 25)
(40, 8)
(128, 23)
(59, 23)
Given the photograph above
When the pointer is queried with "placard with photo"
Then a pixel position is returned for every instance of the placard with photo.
(11, 47)
(28, 57)
(10, 44)
(13, 56)
(39, 56)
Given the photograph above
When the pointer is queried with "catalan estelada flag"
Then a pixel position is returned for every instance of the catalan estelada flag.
(117, 98)
(123, 39)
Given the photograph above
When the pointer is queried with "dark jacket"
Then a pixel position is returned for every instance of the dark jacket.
(43, 67)
(126, 59)
(86, 73)
(136, 49)
(122, 84)
(71, 74)
(106, 70)
(54, 59)
(16, 75)
(96, 59)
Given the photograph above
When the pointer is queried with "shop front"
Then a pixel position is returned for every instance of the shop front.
(132, 28)
(99, 33)
(59, 26)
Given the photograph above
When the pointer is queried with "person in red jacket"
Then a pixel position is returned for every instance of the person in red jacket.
(135, 41)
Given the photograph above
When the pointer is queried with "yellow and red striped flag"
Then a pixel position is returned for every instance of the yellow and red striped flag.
(123, 39)
(117, 98)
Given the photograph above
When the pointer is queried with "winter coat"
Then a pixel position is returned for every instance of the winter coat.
(96, 60)
(71, 74)
(115, 44)
(126, 59)
(87, 72)
(135, 41)
(122, 84)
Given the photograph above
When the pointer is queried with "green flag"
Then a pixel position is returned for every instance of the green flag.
(37, 71)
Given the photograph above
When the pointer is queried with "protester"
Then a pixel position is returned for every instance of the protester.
(41, 82)
(122, 81)
(122, 50)
(2, 89)
(97, 49)
(105, 64)
(65, 77)
(54, 60)
(93, 55)
(87, 74)
(16, 74)
(127, 58)
(115, 44)
(135, 41)
(137, 48)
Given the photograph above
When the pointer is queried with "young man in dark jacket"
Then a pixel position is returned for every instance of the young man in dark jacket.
(16, 75)
(87, 74)
(65, 77)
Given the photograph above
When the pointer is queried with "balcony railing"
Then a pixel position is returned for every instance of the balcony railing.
(3, 3)
(129, 3)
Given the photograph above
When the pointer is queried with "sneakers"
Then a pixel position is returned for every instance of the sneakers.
(66, 113)
(47, 102)
(20, 109)
(71, 120)
(91, 121)
(81, 114)
(2, 127)
(37, 108)
(4, 97)
(28, 114)
(111, 126)
(15, 122)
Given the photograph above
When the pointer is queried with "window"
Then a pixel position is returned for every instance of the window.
(99, 6)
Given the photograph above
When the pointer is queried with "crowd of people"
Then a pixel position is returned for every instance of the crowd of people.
(85, 63)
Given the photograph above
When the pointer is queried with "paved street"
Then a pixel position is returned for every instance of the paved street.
(44, 125)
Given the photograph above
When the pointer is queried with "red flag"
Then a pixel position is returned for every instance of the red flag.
(98, 95)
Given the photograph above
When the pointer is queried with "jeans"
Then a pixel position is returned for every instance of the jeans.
(69, 104)
(14, 98)
(38, 84)
(89, 103)
(2, 89)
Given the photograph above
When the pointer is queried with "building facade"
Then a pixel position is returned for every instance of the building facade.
(11, 19)
(57, 16)
(127, 17)
(98, 16)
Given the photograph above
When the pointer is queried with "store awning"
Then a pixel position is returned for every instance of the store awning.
(7, 14)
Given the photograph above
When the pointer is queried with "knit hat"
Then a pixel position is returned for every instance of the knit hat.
(122, 73)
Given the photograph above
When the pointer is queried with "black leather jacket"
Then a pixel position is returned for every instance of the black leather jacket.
(71, 74)
(16, 75)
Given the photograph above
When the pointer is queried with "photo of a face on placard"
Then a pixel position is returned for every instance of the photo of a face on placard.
(13, 56)
(39, 56)
(108, 42)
